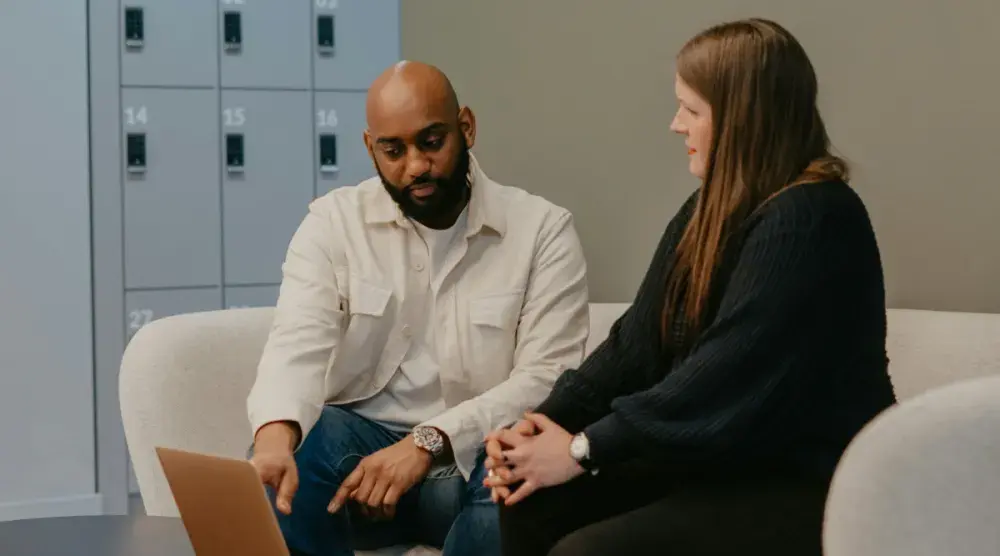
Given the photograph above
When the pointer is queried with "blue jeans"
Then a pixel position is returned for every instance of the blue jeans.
(443, 511)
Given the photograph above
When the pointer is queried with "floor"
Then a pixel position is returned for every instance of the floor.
(135, 506)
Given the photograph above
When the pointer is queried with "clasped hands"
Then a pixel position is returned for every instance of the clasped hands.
(531, 455)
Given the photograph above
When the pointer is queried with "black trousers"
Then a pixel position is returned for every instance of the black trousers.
(640, 508)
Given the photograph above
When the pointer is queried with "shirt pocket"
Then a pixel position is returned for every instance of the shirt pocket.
(369, 322)
(494, 319)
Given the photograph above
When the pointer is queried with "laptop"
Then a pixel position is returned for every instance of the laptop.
(223, 505)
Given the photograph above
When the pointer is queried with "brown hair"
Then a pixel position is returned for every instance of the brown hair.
(767, 135)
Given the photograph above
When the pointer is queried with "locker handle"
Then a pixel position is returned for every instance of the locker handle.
(328, 153)
(135, 153)
(232, 30)
(135, 29)
(325, 41)
(235, 157)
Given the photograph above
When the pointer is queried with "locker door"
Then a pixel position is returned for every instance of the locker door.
(267, 180)
(265, 43)
(341, 156)
(142, 308)
(353, 41)
(171, 188)
(168, 43)
(251, 296)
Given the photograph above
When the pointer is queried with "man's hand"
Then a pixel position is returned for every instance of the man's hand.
(379, 480)
(498, 441)
(274, 461)
(538, 462)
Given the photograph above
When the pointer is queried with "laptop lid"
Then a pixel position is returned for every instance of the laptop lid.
(223, 505)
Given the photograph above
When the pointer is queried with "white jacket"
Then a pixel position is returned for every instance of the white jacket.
(512, 310)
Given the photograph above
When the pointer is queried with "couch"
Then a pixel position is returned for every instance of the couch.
(184, 381)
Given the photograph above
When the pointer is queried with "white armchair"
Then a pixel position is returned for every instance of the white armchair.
(184, 382)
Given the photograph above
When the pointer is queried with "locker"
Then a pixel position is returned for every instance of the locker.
(340, 153)
(171, 194)
(353, 41)
(265, 43)
(143, 307)
(168, 43)
(251, 296)
(267, 181)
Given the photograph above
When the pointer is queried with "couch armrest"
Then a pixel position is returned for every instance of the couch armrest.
(183, 384)
(921, 479)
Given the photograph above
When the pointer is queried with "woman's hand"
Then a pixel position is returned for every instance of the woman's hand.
(540, 461)
(496, 442)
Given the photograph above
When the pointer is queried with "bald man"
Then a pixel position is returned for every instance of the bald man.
(419, 310)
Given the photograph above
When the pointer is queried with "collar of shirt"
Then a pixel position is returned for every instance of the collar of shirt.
(485, 210)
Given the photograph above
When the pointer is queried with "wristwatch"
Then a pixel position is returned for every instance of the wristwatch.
(579, 450)
(429, 439)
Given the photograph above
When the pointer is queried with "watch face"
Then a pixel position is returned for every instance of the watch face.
(578, 447)
(428, 438)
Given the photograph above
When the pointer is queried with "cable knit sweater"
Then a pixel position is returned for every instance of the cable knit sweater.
(790, 363)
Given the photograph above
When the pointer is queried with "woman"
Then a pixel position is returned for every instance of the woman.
(712, 417)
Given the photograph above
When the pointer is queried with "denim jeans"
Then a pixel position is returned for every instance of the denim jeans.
(443, 511)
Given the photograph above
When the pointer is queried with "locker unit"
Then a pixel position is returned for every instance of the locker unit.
(353, 41)
(265, 43)
(341, 156)
(267, 180)
(171, 187)
(251, 296)
(214, 124)
(168, 43)
(143, 307)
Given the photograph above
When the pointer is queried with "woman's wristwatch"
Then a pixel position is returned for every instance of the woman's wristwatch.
(579, 450)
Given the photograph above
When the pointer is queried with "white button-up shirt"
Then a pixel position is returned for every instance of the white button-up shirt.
(510, 310)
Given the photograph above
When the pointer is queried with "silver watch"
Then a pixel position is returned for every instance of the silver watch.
(429, 439)
(579, 449)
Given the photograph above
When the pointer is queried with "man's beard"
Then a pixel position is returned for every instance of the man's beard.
(449, 193)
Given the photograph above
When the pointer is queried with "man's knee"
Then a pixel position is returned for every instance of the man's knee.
(475, 532)
(331, 446)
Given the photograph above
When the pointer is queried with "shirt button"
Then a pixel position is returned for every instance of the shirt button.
(419, 266)
(406, 331)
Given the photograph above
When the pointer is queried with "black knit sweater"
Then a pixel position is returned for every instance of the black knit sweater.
(789, 366)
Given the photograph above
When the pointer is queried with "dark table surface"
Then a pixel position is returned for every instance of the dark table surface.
(95, 536)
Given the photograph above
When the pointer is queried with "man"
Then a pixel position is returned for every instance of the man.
(418, 311)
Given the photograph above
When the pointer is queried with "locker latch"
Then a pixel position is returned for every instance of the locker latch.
(135, 153)
(134, 28)
(328, 153)
(234, 153)
(324, 35)
(232, 30)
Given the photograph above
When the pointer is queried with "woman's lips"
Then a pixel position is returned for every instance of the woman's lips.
(691, 151)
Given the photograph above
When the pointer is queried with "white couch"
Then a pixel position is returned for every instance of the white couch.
(184, 382)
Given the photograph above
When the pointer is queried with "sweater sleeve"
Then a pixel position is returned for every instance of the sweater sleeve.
(582, 396)
(712, 403)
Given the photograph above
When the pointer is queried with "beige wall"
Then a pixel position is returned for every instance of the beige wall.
(574, 99)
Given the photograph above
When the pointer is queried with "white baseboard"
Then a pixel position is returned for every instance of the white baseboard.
(87, 504)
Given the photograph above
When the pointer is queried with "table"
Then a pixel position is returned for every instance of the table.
(132, 535)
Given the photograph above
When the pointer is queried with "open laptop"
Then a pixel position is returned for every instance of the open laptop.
(223, 505)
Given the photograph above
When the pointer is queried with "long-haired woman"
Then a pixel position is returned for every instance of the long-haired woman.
(711, 419)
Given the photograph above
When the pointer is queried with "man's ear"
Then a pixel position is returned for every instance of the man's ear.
(467, 125)
(368, 147)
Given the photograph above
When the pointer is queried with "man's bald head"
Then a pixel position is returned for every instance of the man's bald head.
(407, 86)
(419, 137)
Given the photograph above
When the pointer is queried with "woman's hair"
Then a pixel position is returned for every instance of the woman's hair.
(767, 134)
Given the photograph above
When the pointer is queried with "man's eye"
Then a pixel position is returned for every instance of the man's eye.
(391, 151)
(433, 142)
